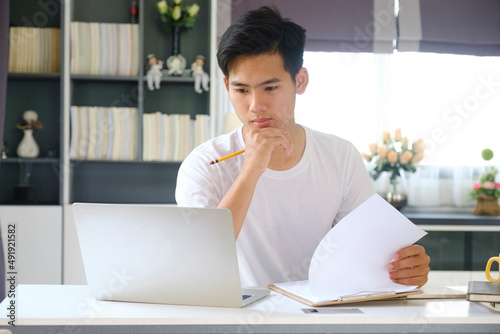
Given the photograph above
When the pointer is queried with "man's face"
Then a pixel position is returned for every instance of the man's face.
(262, 92)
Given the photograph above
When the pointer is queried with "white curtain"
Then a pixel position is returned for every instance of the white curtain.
(222, 104)
(433, 188)
(442, 187)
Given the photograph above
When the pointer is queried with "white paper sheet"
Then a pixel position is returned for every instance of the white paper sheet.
(353, 257)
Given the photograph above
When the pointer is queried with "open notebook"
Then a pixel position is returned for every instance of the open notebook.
(349, 264)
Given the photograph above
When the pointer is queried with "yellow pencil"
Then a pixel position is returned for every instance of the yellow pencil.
(227, 157)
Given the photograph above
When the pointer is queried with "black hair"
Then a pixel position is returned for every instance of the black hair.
(262, 31)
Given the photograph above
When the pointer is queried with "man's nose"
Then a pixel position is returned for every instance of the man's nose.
(258, 102)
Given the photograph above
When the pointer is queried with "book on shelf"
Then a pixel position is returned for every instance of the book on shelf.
(483, 291)
(201, 129)
(172, 137)
(34, 50)
(93, 133)
(104, 48)
(118, 132)
(104, 133)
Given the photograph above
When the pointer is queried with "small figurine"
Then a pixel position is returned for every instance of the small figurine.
(201, 78)
(5, 150)
(28, 148)
(154, 73)
(176, 65)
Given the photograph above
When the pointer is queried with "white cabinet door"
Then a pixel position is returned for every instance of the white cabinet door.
(74, 273)
(34, 234)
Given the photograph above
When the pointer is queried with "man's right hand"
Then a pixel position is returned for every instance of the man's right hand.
(260, 145)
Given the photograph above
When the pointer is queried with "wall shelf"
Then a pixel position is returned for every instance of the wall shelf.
(34, 76)
(177, 79)
(104, 77)
(32, 160)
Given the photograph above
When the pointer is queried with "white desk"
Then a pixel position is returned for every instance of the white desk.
(69, 309)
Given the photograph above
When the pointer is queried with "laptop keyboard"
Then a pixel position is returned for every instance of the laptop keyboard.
(246, 296)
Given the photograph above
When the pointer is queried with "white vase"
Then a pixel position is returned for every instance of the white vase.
(28, 148)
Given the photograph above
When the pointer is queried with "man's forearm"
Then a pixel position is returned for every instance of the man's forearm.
(238, 198)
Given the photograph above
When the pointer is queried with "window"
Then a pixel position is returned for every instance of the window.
(450, 101)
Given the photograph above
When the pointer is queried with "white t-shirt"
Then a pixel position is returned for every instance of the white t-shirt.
(291, 210)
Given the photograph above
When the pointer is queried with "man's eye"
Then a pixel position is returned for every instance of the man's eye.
(240, 90)
(271, 88)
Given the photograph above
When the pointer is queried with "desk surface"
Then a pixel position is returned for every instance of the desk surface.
(70, 309)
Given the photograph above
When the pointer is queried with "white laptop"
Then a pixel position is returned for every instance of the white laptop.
(161, 254)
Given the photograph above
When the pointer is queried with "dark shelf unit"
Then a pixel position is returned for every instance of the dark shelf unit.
(137, 181)
(51, 95)
(40, 92)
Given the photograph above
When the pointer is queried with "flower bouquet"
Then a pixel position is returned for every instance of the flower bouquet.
(176, 15)
(486, 191)
(394, 156)
(175, 18)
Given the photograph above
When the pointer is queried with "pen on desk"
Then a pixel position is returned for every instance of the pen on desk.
(227, 157)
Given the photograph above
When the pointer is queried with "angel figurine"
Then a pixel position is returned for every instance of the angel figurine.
(154, 73)
(201, 78)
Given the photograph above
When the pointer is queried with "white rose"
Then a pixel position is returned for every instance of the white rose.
(162, 7)
(193, 10)
(176, 13)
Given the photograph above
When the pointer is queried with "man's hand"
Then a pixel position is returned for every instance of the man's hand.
(261, 143)
(410, 266)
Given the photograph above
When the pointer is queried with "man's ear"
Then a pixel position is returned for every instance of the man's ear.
(301, 80)
(226, 84)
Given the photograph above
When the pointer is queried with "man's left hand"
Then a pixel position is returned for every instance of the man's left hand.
(410, 266)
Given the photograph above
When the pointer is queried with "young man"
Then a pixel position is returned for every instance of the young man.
(292, 184)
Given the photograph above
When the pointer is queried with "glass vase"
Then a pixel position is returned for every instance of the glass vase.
(392, 186)
(176, 40)
(176, 63)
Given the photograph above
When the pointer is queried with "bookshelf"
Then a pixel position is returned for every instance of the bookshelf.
(53, 94)
(136, 181)
(33, 91)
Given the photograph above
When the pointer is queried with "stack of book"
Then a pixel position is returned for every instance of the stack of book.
(34, 50)
(104, 133)
(486, 293)
(104, 48)
(172, 137)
